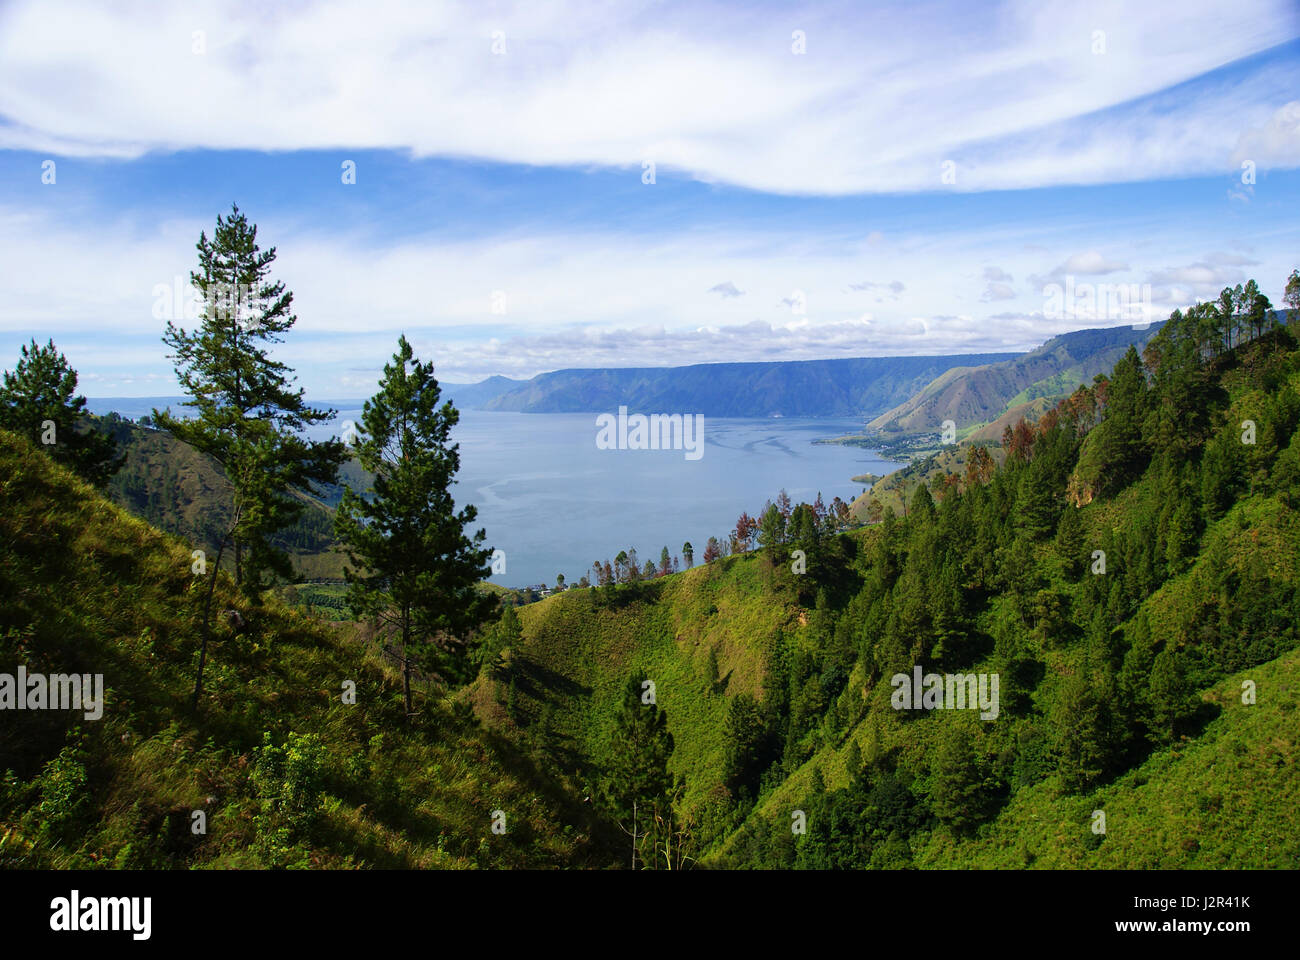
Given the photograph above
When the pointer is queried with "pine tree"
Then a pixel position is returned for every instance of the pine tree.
(744, 734)
(688, 553)
(771, 527)
(505, 634)
(921, 508)
(1120, 439)
(1181, 535)
(853, 763)
(637, 783)
(1173, 699)
(248, 415)
(1034, 512)
(803, 527)
(419, 571)
(1292, 298)
(39, 401)
(712, 550)
(960, 794)
(1083, 734)
(512, 701)
(1069, 541)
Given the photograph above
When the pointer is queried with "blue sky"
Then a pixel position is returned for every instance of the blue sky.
(829, 181)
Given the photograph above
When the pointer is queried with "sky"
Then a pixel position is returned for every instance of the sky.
(528, 187)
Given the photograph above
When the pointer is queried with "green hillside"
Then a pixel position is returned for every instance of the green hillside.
(579, 648)
(286, 773)
(184, 492)
(1121, 686)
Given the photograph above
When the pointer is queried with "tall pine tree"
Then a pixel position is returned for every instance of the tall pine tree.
(418, 571)
(248, 415)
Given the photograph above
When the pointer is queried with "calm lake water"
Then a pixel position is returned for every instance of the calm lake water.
(554, 502)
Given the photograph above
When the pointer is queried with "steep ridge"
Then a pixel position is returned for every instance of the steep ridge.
(981, 394)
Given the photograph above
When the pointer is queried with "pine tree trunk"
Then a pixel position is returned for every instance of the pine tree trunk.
(406, 659)
(207, 618)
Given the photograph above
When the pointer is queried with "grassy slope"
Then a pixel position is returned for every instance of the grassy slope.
(1237, 776)
(578, 653)
(116, 596)
(184, 492)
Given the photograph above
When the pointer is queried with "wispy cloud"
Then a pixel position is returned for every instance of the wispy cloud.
(1275, 143)
(895, 287)
(1012, 95)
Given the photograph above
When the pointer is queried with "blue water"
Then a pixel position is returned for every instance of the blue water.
(554, 502)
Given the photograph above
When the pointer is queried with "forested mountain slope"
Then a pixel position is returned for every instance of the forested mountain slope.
(1130, 573)
(1126, 568)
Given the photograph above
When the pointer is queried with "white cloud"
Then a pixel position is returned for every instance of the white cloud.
(1203, 279)
(727, 289)
(1273, 144)
(1013, 93)
(1231, 259)
(895, 287)
(1090, 263)
(998, 291)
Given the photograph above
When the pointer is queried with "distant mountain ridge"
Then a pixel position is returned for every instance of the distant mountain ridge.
(898, 395)
(786, 388)
(476, 396)
(981, 395)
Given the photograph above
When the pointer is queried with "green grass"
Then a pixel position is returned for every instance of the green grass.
(90, 589)
(578, 652)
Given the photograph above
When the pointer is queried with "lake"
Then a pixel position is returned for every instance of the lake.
(554, 502)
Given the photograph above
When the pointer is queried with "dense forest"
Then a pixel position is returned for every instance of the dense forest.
(1100, 573)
